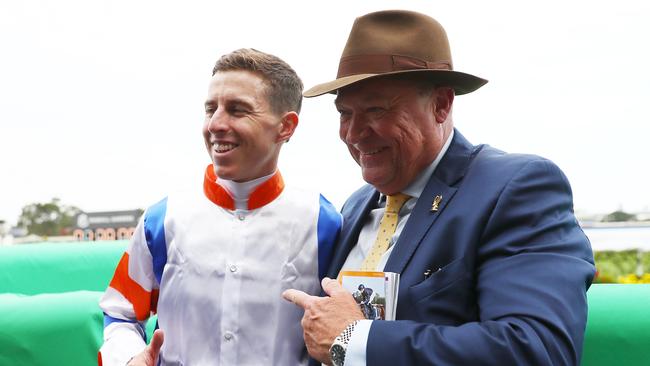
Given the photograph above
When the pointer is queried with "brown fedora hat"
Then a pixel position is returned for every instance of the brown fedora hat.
(394, 42)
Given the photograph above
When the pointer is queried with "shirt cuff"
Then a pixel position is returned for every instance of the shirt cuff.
(355, 354)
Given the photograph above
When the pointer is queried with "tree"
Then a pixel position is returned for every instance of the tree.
(619, 216)
(47, 219)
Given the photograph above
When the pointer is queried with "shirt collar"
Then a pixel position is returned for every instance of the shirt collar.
(415, 188)
(264, 193)
(241, 191)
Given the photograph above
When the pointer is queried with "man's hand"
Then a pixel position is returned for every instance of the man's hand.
(325, 317)
(149, 356)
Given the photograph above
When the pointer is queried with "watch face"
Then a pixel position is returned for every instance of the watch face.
(337, 353)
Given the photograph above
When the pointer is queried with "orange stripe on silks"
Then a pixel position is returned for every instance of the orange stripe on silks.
(140, 298)
(99, 359)
(215, 192)
(266, 192)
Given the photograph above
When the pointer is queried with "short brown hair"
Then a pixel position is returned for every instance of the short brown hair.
(284, 86)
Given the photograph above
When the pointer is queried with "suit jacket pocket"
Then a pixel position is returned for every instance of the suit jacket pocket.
(439, 280)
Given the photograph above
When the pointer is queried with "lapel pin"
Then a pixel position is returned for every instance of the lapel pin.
(436, 203)
(427, 274)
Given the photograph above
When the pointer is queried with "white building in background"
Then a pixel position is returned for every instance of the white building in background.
(107, 225)
(89, 226)
(619, 237)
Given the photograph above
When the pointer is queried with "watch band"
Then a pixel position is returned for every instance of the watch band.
(346, 334)
(340, 344)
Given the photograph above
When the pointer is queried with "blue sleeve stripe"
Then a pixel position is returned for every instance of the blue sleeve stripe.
(108, 320)
(329, 226)
(154, 231)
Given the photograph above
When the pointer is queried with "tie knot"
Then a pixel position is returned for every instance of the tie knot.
(395, 202)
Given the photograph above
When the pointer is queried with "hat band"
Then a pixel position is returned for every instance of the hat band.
(379, 64)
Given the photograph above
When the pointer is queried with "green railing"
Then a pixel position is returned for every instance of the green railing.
(49, 313)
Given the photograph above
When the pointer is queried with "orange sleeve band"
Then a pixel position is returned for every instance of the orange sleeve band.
(143, 301)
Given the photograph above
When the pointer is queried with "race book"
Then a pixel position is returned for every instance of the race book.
(375, 292)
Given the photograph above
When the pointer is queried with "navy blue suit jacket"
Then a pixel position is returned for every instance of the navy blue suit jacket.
(510, 265)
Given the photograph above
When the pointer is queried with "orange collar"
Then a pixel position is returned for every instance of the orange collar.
(261, 196)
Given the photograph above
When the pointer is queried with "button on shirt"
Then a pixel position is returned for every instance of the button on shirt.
(356, 350)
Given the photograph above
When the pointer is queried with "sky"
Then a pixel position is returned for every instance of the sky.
(101, 102)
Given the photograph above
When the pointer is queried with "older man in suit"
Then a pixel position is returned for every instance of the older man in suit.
(494, 266)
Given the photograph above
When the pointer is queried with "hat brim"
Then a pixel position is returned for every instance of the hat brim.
(462, 83)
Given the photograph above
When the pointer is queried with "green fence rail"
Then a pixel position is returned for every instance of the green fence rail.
(49, 313)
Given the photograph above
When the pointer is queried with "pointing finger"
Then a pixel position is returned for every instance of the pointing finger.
(296, 296)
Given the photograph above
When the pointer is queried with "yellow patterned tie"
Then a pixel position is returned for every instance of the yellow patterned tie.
(387, 227)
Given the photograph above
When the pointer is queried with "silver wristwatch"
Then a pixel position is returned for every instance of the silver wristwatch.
(338, 348)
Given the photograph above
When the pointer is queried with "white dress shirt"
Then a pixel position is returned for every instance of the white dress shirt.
(356, 350)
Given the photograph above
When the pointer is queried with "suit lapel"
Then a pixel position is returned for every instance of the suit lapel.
(449, 172)
(420, 221)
